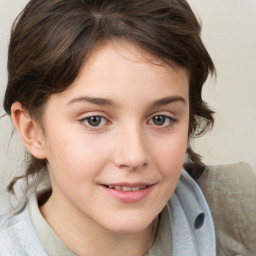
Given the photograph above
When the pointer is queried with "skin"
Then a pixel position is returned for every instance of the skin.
(127, 145)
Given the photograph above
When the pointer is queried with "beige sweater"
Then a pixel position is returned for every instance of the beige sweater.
(230, 191)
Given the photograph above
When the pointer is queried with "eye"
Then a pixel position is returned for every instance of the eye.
(94, 121)
(161, 120)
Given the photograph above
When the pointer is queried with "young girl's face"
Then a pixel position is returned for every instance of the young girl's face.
(115, 140)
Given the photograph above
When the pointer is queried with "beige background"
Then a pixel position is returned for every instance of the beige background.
(229, 32)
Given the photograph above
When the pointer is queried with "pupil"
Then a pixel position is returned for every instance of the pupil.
(94, 120)
(159, 120)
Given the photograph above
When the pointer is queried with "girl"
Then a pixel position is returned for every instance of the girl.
(106, 96)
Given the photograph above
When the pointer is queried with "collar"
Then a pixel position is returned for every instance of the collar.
(191, 220)
(48, 238)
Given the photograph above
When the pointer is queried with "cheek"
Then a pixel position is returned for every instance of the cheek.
(174, 147)
(170, 155)
(75, 157)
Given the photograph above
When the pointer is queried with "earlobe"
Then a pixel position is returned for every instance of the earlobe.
(29, 131)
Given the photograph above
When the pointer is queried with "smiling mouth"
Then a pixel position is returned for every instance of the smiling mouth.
(126, 188)
(129, 193)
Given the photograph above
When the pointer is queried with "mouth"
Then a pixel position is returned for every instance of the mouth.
(129, 193)
(127, 188)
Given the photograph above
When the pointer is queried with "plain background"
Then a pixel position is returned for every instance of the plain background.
(229, 33)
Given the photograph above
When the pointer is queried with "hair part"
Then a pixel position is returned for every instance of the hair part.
(51, 40)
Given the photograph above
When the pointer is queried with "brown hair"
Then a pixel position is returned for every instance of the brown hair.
(51, 39)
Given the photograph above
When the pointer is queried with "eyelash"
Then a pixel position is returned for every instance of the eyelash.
(170, 121)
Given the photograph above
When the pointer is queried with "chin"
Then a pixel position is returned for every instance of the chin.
(130, 224)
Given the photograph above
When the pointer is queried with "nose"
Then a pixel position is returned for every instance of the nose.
(131, 149)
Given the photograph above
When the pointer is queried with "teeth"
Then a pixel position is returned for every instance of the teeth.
(124, 188)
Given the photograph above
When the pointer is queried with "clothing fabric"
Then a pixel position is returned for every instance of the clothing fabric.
(230, 191)
(187, 217)
(17, 235)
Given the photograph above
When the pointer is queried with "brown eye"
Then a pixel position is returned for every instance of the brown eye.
(162, 121)
(95, 121)
(159, 120)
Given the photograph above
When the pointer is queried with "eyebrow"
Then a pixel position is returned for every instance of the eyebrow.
(168, 100)
(96, 101)
(107, 102)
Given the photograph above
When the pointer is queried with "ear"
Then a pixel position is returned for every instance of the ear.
(30, 132)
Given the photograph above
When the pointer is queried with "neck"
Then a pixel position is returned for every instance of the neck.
(85, 237)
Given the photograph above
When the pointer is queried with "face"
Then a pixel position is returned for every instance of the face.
(115, 140)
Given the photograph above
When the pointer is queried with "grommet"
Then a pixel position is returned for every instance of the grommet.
(199, 221)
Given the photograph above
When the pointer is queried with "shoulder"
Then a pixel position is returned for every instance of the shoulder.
(230, 191)
(17, 236)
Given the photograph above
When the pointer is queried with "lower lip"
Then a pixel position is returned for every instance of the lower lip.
(129, 196)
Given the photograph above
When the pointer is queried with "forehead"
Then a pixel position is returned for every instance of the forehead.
(129, 51)
(125, 54)
(120, 69)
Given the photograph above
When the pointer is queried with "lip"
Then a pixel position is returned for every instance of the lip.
(128, 196)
